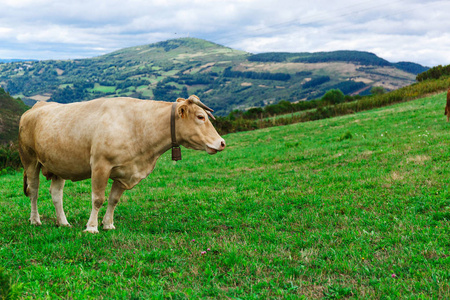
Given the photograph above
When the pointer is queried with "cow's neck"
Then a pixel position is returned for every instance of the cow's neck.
(156, 138)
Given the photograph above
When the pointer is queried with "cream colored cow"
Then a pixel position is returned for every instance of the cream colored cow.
(118, 138)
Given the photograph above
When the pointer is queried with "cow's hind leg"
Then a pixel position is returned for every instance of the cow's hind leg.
(31, 177)
(100, 177)
(56, 189)
(114, 197)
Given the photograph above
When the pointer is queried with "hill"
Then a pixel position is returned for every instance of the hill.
(10, 111)
(224, 78)
(350, 207)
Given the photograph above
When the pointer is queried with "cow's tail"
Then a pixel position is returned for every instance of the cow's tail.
(25, 184)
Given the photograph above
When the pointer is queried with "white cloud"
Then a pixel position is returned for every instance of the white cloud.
(397, 30)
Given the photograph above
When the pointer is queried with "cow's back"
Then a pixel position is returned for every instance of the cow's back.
(61, 136)
(61, 123)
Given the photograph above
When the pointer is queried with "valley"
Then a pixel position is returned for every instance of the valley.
(225, 79)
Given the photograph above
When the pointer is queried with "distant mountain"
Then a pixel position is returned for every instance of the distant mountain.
(14, 60)
(356, 57)
(222, 77)
(10, 111)
(409, 67)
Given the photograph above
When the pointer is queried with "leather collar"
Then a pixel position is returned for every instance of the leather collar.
(176, 150)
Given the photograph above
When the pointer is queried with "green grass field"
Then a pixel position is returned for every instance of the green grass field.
(103, 89)
(351, 207)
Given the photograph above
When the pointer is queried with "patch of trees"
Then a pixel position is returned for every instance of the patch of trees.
(19, 84)
(10, 104)
(165, 92)
(195, 79)
(168, 45)
(69, 94)
(377, 90)
(348, 87)
(9, 158)
(28, 85)
(410, 67)
(316, 81)
(304, 73)
(434, 73)
(107, 82)
(272, 57)
(47, 73)
(84, 84)
(333, 97)
(126, 75)
(256, 75)
(10, 111)
(132, 82)
(359, 57)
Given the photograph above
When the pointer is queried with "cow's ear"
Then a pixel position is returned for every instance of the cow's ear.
(182, 111)
(181, 99)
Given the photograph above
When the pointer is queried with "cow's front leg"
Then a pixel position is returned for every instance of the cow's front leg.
(114, 197)
(56, 189)
(99, 181)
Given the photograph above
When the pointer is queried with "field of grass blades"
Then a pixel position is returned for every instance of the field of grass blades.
(351, 207)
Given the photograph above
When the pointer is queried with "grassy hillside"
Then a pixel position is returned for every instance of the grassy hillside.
(355, 206)
(10, 111)
(285, 112)
(224, 78)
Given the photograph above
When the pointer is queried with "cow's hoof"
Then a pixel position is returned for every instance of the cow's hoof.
(35, 221)
(64, 225)
(109, 227)
(91, 230)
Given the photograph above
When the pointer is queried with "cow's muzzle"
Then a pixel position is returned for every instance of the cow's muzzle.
(216, 147)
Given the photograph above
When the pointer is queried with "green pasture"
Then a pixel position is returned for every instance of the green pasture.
(351, 207)
(193, 89)
(103, 88)
(294, 114)
(146, 92)
(63, 86)
(170, 73)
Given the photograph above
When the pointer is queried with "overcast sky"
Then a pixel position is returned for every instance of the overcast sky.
(396, 30)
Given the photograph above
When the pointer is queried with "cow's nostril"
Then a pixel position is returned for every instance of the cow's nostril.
(222, 144)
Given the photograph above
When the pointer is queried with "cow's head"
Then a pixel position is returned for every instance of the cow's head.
(193, 127)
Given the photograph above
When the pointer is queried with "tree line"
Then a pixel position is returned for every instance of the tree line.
(434, 73)
(359, 57)
(315, 82)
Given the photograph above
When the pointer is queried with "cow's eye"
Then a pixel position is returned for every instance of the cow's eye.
(200, 117)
